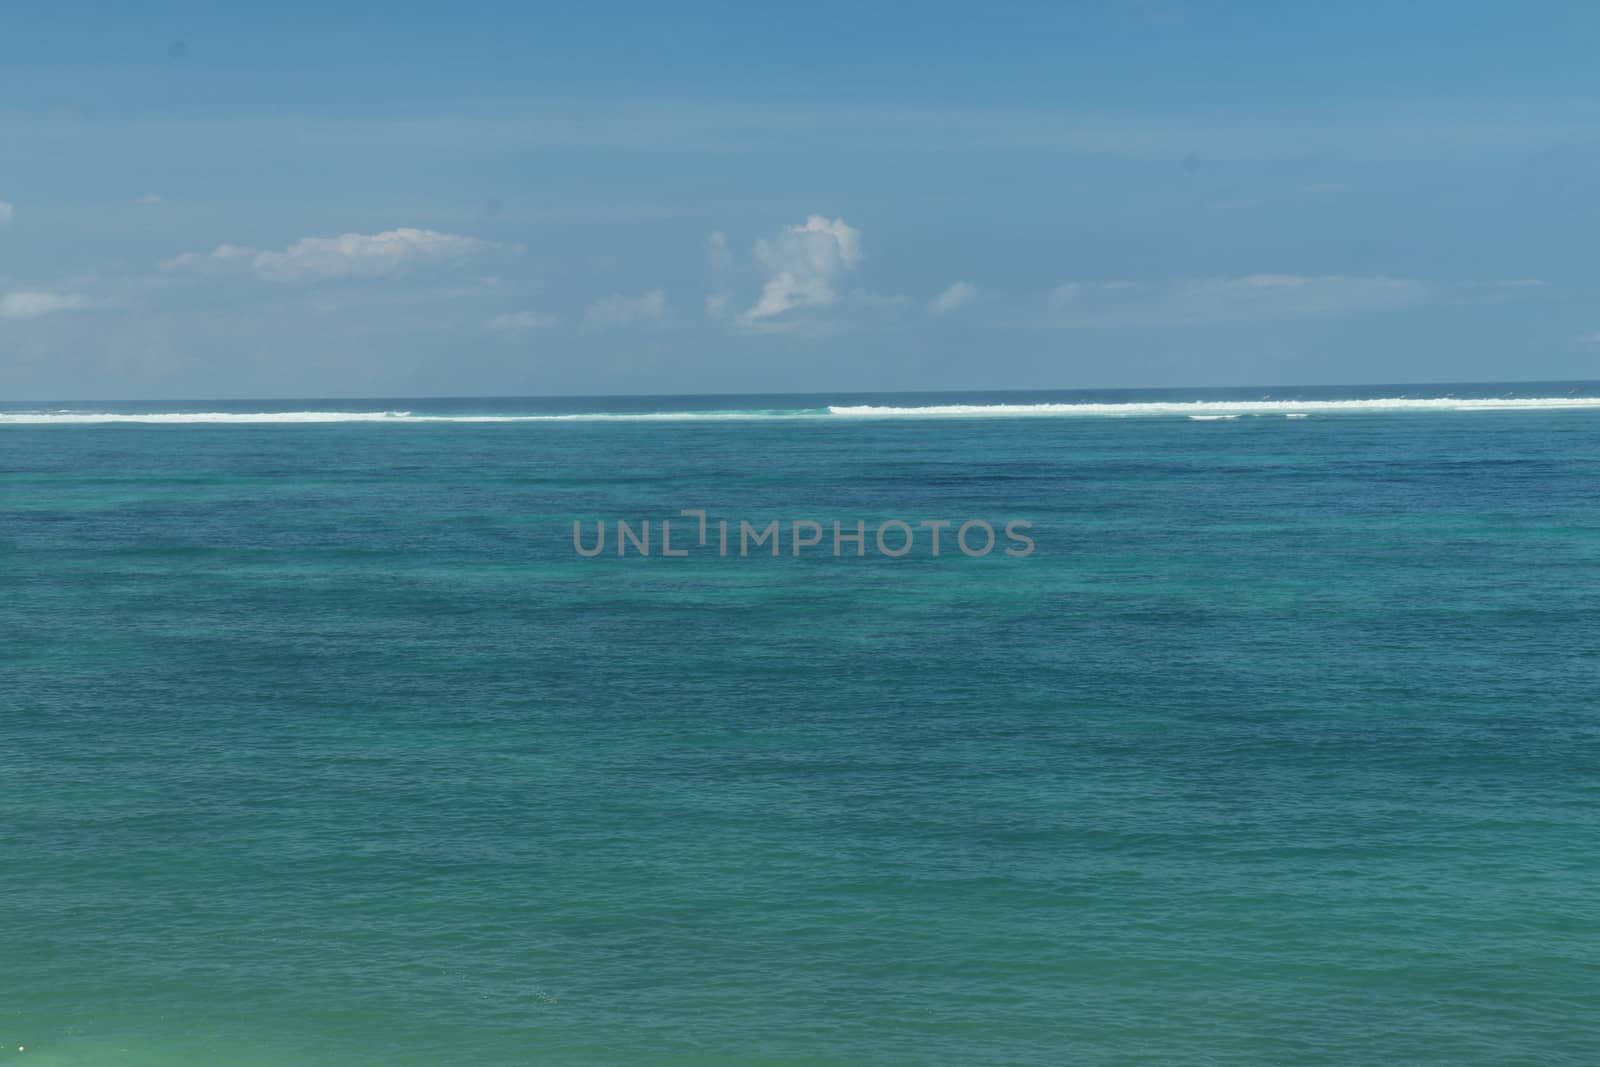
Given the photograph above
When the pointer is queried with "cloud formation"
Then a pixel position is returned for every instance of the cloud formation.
(804, 262)
(1253, 297)
(717, 245)
(958, 294)
(350, 255)
(6, 211)
(515, 322)
(31, 305)
(619, 310)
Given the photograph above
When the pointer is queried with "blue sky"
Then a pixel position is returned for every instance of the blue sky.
(405, 199)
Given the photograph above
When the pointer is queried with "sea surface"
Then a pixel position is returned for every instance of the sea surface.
(321, 744)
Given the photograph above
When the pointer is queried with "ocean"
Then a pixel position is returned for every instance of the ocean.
(323, 740)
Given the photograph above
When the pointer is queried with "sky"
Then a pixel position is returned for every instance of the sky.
(481, 199)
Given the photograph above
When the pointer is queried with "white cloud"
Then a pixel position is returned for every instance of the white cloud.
(958, 294)
(6, 211)
(804, 263)
(1591, 338)
(717, 304)
(1253, 297)
(721, 258)
(618, 310)
(223, 257)
(515, 322)
(1065, 293)
(30, 305)
(350, 255)
(149, 198)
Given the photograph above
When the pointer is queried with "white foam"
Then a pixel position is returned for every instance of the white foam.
(1215, 408)
(57, 418)
(1201, 410)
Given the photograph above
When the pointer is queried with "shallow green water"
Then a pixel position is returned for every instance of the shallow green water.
(322, 745)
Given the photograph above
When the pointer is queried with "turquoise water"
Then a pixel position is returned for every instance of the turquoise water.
(321, 745)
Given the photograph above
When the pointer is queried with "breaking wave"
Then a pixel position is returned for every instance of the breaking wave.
(1218, 409)
(1199, 410)
(45, 418)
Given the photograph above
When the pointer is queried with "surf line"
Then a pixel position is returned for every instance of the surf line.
(892, 538)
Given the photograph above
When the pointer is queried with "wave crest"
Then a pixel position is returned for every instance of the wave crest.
(1202, 409)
